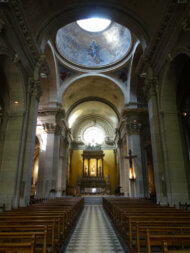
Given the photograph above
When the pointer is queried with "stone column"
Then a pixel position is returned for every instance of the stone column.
(133, 127)
(116, 168)
(121, 166)
(64, 164)
(96, 167)
(83, 167)
(28, 142)
(124, 179)
(150, 90)
(88, 167)
(102, 167)
(49, 161)
(11, 154)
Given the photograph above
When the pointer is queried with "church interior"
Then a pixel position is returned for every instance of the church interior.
(94, 126)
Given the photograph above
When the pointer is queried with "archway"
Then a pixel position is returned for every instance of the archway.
(176, 163)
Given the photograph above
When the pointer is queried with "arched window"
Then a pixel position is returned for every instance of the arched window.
(93, 135)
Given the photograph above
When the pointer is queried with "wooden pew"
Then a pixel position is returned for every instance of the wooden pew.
(20, 247)
(133, 217)
(164, 240)
(57, 216)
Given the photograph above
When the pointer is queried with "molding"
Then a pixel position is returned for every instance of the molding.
(167, 34)
(186, 23)
(14, 21)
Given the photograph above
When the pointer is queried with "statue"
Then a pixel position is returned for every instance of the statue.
(86, 170)
(93, 169)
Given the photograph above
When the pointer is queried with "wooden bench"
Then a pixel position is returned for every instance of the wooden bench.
(49, 221)
(133, 217)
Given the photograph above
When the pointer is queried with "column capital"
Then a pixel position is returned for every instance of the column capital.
(52, 128)
(133, 128)
(133, 119)
(150, 88)
(34, 88)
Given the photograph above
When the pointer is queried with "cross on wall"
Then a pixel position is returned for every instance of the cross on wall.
(131, 157)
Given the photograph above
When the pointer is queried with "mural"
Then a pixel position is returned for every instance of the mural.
(93, 49)
(64, 73)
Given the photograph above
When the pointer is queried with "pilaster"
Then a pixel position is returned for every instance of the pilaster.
(134, 118)
(151, 92)
(53, 159)
(9, 169)
(28, 142)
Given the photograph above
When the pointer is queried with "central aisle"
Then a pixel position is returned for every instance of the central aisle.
(94, 232)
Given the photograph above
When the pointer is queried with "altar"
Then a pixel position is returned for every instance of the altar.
(92, 180)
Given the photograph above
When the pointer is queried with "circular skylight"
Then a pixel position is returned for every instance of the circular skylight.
(94, 24)
(93, 136)
(93, 49)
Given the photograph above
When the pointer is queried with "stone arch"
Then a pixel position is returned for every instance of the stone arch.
(49, 84)
(136, 83)
(72, 107)
(177, 172)
(65, 16)
(80, 77)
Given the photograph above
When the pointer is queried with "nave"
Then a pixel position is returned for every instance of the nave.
(95, 224)
(94, 232)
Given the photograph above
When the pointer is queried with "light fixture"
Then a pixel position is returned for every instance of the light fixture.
(132, 175)
(43, 75)
(16, 102)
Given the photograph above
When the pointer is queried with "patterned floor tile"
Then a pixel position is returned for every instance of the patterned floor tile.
(94, 233)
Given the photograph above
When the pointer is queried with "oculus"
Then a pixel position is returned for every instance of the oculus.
(93, 135)
(93, 50)
(94, 24)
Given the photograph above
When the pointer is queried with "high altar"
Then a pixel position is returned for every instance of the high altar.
(92, 180)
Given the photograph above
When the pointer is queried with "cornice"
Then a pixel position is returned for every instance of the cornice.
(133, 112)
(12, 17)
(164, 39)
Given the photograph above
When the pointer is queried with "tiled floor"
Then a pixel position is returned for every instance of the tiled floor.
(94, 233)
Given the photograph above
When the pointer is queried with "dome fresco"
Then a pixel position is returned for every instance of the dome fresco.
(93, 49)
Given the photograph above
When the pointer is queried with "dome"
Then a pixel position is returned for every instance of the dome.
(93, 49)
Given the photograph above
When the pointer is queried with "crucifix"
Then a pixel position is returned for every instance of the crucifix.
(130, 157)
